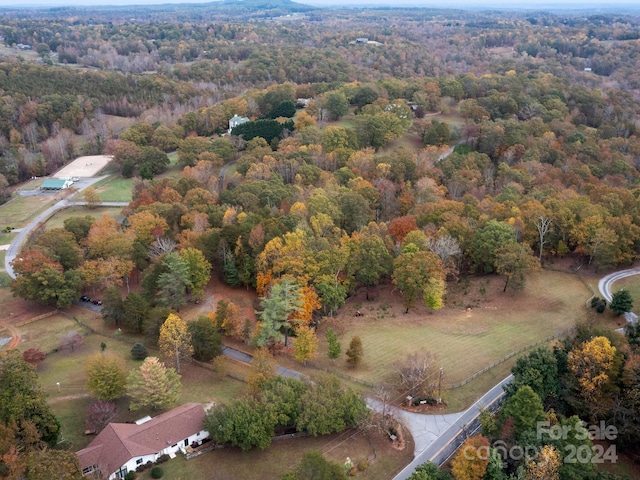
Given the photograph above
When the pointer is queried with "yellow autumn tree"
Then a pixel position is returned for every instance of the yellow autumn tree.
(471, 461)
(263, 369)
(174, 341)
(545, 466)
(306, 344)
(590, 363)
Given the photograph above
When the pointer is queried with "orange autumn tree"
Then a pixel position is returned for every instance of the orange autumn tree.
(310, 303)
(399, 227)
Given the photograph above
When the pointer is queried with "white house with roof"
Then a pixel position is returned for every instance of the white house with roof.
(122, 447)
(235, 121)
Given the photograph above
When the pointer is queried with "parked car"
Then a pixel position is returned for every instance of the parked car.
(97, 302)
(84, 298)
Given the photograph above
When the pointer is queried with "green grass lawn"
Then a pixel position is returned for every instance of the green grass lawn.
(463, 340)
(115, 189)
(57, 220)
(632, 285)
(70, 400)
(7, 238)
(21, 210)
(283, 456)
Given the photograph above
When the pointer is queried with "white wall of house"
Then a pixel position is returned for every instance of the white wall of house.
(135, 462)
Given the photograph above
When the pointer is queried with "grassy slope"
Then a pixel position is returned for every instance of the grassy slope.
(464, 341)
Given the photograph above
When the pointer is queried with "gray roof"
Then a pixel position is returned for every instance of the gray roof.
(53, 184)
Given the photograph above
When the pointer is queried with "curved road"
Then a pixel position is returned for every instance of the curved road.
(604, 285)
(17, 242)
(446, 443)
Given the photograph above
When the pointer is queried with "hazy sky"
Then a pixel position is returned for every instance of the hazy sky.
(532, 4)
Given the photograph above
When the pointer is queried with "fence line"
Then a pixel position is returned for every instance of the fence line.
(35, 319)
(507, 357)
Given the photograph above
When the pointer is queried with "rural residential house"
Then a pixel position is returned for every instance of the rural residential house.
(235, 121)
(122, 447)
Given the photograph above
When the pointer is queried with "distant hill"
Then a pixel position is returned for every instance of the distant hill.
(217, 10)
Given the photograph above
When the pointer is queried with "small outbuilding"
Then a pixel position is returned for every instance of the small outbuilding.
(56, 184)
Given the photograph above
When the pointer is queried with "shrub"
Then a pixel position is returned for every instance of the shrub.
(598, 304)
(219, 366)
(157, 472)
(363, 465)
(139, 351)
(33, 356)
(130, 476)
(162, 458)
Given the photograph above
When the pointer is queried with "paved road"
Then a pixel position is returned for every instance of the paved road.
(246, 358)
(425, 429)
(223, 174)
(17, 242)
(444, 444)
(604, 285)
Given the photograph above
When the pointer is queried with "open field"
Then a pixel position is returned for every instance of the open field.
(88, 166)
(632, 285)
(465, 340)
(57, 220)
(19, 211)
(115, 189)
(283, 456)
(12, 52)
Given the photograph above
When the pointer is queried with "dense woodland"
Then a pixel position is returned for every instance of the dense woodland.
(357, 188)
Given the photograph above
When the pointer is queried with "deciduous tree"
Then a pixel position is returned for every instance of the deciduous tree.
(591, 363)
(419, 374)
(486, 241)
(545, 466)
(48, 463)
(415, 272)
(23, 401)
(175, 341)
(106, 376)
(306, 344)
(328, 408)
(355, 352)
(91, 196)
(199, 271)
(205, 339)
(515, 261)
(470, 463)
(153, 385)
(33, 356)
(263, 369)
(99, 414)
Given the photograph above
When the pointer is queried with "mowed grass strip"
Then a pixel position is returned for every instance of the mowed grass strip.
(464, 341)
(57, 220)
